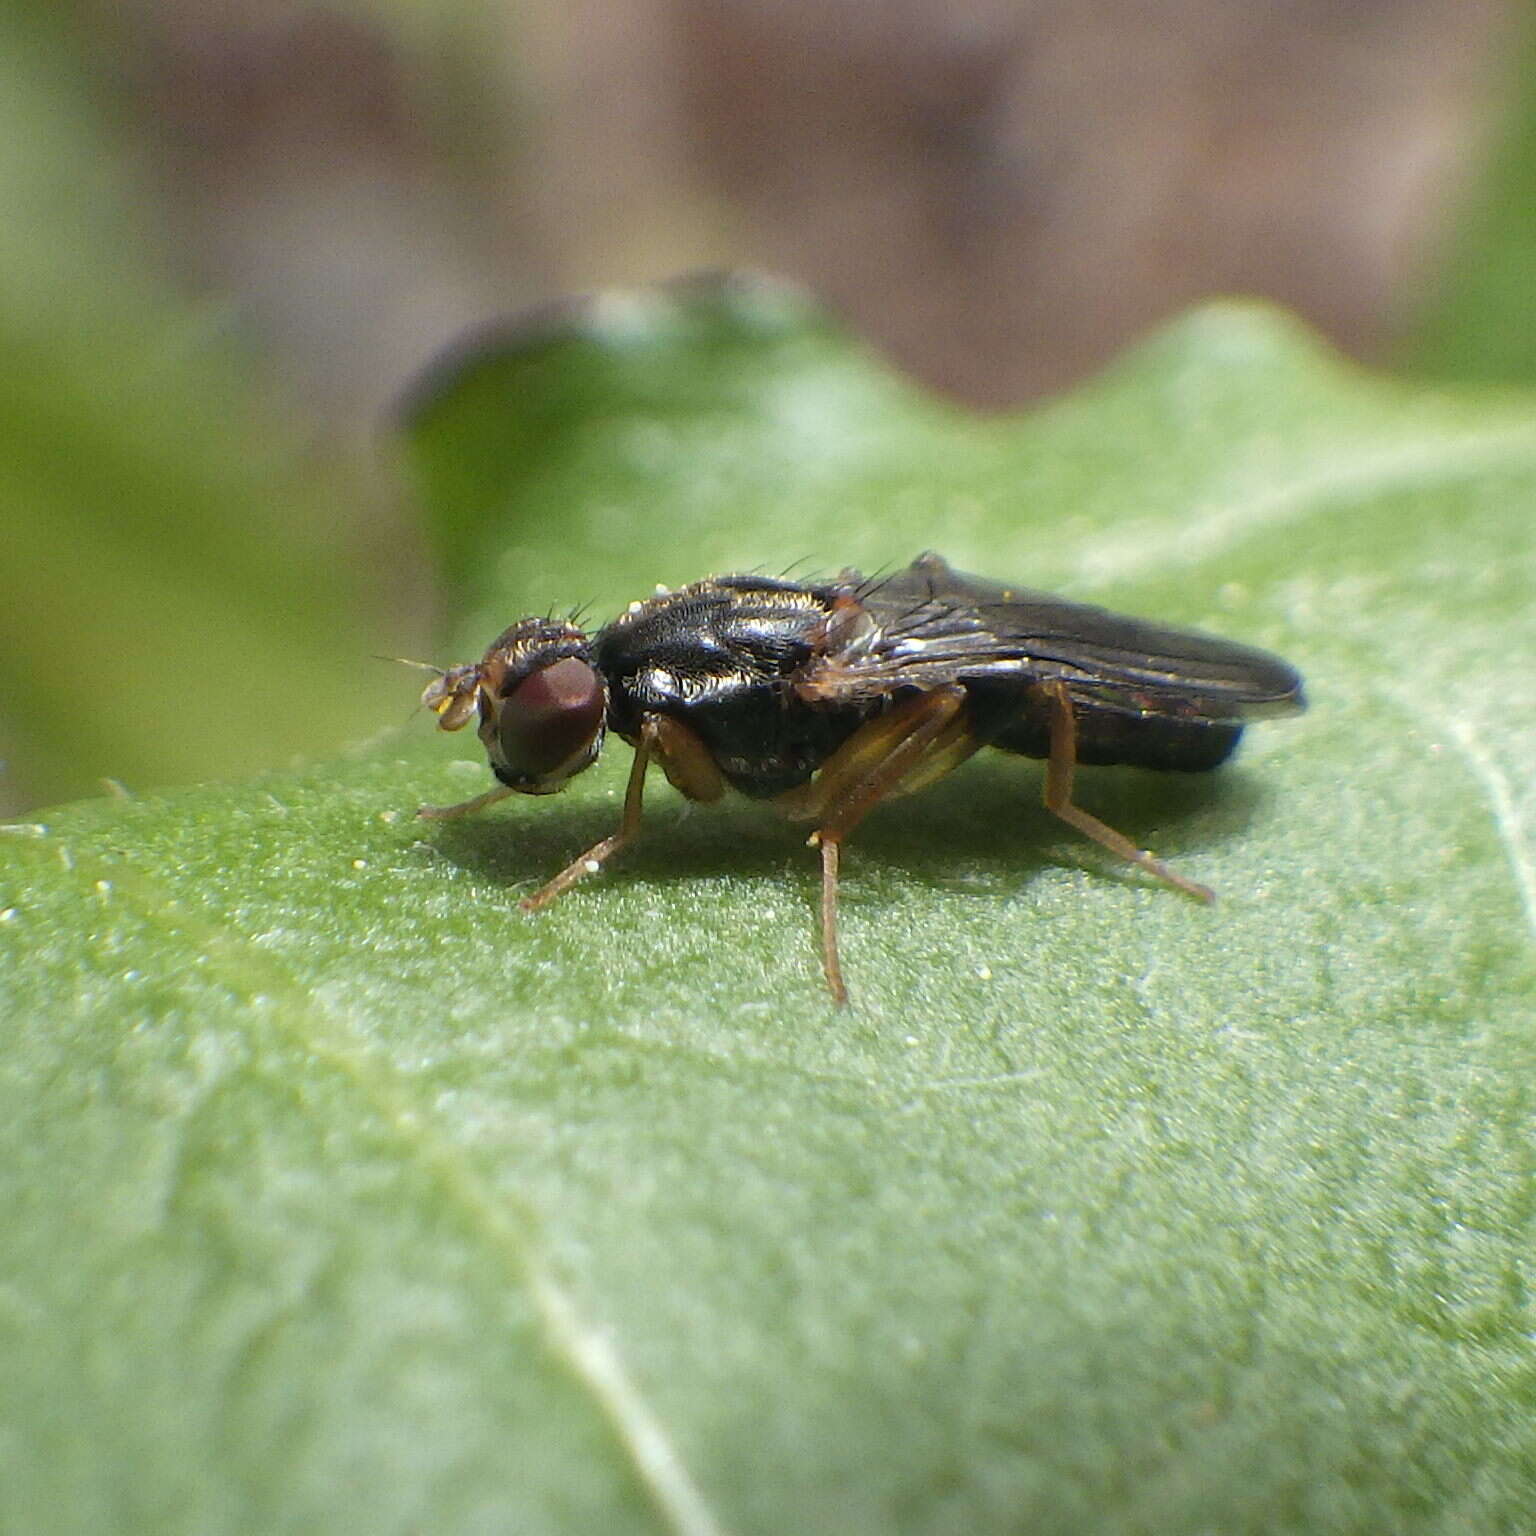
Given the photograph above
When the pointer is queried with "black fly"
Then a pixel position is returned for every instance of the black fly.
(830, 697)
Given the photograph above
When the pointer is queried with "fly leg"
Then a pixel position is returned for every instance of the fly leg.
(464, 807)
(688, 766)
(629, 826)
(831, 964)
(912, 745)
(1059, 772)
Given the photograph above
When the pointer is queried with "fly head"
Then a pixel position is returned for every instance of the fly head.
(541, 704)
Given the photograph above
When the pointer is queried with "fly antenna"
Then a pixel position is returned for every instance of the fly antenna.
(421, 666)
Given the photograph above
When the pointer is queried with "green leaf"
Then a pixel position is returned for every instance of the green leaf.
(1470, 328)
(341, 1196)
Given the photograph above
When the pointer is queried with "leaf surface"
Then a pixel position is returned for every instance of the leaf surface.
(339, 1195)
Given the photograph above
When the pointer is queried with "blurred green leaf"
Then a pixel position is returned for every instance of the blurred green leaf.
(176, 600)
(1476, 326)
(340, 1196)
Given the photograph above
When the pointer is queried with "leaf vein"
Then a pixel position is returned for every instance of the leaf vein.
(1205, 532)
(1506, 814)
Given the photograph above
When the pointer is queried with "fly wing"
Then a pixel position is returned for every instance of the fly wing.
(931, 624)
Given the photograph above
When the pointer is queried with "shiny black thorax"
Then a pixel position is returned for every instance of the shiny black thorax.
(720, 656)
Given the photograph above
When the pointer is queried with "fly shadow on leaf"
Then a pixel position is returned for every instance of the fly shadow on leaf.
(983, 829)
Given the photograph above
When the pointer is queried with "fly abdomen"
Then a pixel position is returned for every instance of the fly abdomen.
(1110, 737)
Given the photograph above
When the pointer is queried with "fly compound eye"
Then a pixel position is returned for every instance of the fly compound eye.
(549, 726)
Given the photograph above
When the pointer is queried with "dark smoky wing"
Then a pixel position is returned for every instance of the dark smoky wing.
(934, 624)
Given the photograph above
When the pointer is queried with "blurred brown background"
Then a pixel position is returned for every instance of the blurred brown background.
(998, 192)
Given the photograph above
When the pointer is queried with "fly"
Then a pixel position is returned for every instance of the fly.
(830, 698)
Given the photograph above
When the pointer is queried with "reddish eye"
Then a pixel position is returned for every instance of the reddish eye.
(549, 719)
